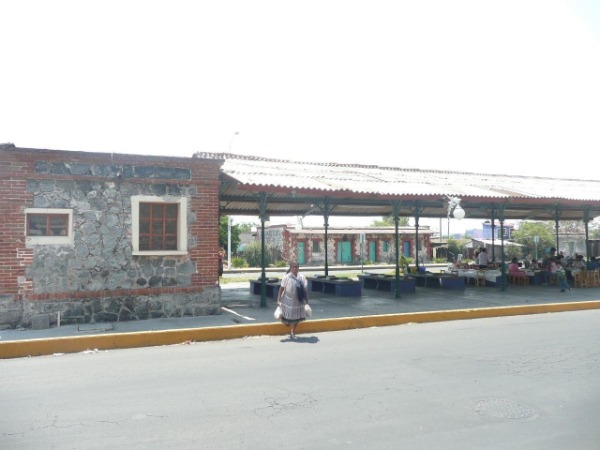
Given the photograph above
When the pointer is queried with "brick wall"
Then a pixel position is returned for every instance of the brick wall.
(57, 179)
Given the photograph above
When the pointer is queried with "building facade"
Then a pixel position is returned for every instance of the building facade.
(346, 245)
(106, 237)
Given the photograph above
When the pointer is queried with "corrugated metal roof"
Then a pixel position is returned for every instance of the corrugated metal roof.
(367, 190)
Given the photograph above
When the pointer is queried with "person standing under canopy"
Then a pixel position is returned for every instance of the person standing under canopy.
(293, 295)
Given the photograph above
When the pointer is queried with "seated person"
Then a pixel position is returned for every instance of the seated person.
(579, 263)
(593, 264)
(482, 258)
(514, 269)
(534, 264)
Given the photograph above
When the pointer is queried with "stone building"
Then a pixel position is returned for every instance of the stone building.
(348, 245)
(106, 237)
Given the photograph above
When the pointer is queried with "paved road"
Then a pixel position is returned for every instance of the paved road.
(525, 382)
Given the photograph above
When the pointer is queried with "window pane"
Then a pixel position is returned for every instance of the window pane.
(172, 210)
(36, 225)
(157, 227)
(156, 243)
(144, 227)
(144, 243)
(170, 243)
(58, 226)
(47, 224)
(171, 227)
(145, 209)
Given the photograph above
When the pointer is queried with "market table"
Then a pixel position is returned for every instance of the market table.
(387, 283)
(272, 286)
(442, 281)
(340, 287)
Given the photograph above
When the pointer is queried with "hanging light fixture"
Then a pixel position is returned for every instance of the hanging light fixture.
(455, 209)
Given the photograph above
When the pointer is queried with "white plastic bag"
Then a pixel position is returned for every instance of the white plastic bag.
(307, 310)
(277, 313)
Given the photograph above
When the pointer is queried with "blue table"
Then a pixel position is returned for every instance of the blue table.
(387, 283)
(536, 278)
(440, 281)
(338, 287)
(272, 288)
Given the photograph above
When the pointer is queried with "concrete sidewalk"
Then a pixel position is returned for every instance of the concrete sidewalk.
(242, 316)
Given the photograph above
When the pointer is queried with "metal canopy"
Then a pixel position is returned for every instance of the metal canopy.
(296, 188)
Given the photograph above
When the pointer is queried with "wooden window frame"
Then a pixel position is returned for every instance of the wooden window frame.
(181, 226)
(50, 239)
(159, 221)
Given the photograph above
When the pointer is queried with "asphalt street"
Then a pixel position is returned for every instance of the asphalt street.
(523, 382)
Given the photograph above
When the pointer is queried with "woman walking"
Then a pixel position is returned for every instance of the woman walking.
(293, 286)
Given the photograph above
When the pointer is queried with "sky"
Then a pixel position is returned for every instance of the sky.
(465, 85)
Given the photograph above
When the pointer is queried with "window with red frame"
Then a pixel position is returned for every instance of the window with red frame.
(158, 226)
(47, 224)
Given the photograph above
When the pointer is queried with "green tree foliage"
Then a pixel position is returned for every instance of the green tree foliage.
(455, 248)
(512, 251)
(238, 262)
(594, 230)
(525, 236)
(246, 227)
(388, 221)
(235, 234)
(251, 254)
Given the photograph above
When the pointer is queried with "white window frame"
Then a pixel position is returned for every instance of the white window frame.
(181, 225)
(51, 240)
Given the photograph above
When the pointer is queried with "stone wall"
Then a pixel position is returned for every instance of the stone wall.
(101, 255)
(126, 307)
(94, 275)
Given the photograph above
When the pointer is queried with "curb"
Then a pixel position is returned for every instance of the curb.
(40, 347)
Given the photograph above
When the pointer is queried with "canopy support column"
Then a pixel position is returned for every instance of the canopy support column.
(263, 277)
(326, 227)
(503, 267)
(417, 236)
(586, 222)
(493, 234)
(396, 206)
(557, 226)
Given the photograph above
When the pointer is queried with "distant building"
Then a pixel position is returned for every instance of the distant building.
(486, 231)
(307, 246)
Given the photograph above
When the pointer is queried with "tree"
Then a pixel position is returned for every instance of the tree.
(455, 248)
(525, 236)
(246, 227)
(388, 221)
(252, 254)
(235, 234)
(594, 230)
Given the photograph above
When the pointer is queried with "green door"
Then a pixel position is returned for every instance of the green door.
(372, 252)
(406, 249)
(301, 253)
(344, 252)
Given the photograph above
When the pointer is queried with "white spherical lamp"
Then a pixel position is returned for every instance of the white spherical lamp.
(458, 213)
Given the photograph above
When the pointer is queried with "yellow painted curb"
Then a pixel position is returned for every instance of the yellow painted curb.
(73, 344)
